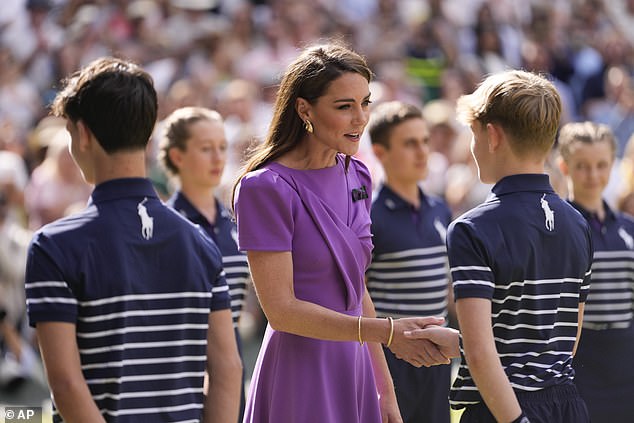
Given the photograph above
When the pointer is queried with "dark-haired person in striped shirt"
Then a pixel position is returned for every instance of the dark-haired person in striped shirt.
(409, 275)
(603, 372)
(520, 264)
(128, 298)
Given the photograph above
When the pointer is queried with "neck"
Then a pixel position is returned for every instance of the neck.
(512, 165)
(203, 199)
(407, 191)
(120, 165)
(309, 155)
(593, 205)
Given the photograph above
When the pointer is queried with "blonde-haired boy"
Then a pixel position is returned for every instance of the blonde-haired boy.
(520, 264)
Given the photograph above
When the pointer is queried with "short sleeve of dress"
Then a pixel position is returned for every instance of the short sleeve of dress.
(265, 205)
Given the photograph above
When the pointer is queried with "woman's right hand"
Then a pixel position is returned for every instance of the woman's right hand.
(417, 352)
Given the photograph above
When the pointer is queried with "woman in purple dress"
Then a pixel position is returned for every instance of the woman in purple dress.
(302, 208)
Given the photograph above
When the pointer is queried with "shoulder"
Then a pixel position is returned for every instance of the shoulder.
(262, 179)
(70, 226)
(624, 218)
(360, 167)
(438, 203)
(264, 188)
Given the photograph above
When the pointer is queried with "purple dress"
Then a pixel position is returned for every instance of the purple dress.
(311, 213)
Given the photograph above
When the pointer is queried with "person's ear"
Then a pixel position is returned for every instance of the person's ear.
(563, 166)
(379, 151)
(176, 156)
(302, 106)
(86, 137)
(495, 137)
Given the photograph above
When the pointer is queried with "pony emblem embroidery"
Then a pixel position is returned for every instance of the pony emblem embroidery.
(147, 222)
(626, 237)
(550, 215)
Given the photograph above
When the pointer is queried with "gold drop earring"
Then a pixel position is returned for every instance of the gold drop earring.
(309, 126)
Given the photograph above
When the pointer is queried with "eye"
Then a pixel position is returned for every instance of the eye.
(343, 107)
(366, 103)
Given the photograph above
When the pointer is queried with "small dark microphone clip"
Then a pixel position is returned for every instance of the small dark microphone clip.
(359, 193)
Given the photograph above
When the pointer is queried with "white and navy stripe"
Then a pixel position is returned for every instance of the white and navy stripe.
(535, 276)
(141, 306)
(408, 275)
(610, 303)
(223, 232)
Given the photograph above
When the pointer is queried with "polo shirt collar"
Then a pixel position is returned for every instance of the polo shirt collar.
(536, 182)
(393, 201)
(609, 213)
(186, 208)
(122, 188)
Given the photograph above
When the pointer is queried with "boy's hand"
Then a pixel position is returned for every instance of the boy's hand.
(417, 352)
(445, 339)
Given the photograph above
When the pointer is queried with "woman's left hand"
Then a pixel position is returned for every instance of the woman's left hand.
(389, 408)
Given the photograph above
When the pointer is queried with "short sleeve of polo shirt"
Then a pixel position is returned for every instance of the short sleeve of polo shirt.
(264, 207)
(220, 297)
(585, 284)
(469, 264)
(49, 298)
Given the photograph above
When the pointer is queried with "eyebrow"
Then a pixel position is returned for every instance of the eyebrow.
(351, 100)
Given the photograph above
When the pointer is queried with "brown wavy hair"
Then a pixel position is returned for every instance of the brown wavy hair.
(307, 77)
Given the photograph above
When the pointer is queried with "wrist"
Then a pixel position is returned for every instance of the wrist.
(390, 336)
(521, 419)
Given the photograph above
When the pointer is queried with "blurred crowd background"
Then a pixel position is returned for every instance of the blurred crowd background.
(228, 54)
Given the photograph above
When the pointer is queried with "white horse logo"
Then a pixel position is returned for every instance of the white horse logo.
(550, 215)
(147, 222)
(627, 238)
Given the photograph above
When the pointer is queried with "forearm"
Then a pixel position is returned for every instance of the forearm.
(474, 316)
(74, 402)
(494, 386)
(61, 360)
(384, 383)
(580, 322)
(224, 368)
(222, 402)
(315, 321)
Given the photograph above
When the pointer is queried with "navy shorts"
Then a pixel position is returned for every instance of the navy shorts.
(557, 404)
(422, 393)
(604, 374)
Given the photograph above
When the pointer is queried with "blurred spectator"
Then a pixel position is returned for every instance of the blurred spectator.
(34, 39)
(19, 98)
(55, 184)
(616, 107)
(13, 180)
(17, 359)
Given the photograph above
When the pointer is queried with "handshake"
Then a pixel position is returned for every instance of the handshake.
(421, 341)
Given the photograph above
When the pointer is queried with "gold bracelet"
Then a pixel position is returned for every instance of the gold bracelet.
(359, 330)
(389, 340)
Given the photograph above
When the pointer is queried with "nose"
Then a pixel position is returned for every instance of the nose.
(423, 147)
(218, 155)
(360, 116)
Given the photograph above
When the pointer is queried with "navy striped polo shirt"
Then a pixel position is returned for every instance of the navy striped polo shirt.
(408, 275)
(611, 298)
(530, 253)
(224, 234)
(139, 281)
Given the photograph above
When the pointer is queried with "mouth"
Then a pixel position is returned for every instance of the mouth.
(353, 136)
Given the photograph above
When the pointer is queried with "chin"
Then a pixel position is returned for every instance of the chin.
(349, 150)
